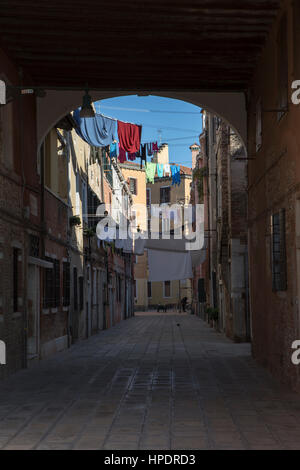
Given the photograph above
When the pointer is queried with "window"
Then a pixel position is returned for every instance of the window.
(75, 289)
(149, 289)
(66, 284)
(107, 167)
(279, 278)
(34, 246)
(52, 284)
(258, 125)
(6, 135)
(165, 194)
(81, 296)
(167, 288)
(56, 267)
(148, 197)
(15, 278)
(201, 291)
(282, 67)
(84, 201)
(133, 186)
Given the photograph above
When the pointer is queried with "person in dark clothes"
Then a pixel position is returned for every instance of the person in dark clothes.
(183, 303)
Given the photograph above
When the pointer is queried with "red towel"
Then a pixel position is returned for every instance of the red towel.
(122, 155)
(129, 136)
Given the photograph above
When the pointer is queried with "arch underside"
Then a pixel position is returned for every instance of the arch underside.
(230, 106)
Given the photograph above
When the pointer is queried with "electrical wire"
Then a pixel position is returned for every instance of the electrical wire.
(151, 110)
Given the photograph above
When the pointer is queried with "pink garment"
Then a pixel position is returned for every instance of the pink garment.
(155, 147)
(131, 156)
(122, 155)
(129, 136)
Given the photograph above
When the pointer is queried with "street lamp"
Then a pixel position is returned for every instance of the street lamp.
(87, 110)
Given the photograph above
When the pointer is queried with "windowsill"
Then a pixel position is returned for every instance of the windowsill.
(47, 311)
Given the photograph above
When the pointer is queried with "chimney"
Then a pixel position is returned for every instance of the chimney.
(195, 149)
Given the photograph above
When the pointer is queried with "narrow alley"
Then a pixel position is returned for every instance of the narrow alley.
(149, 226)
(154, 381)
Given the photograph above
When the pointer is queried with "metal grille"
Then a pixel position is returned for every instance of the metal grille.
(52, 284)
(66, 284)
(34, 246)
(279, 278)
(165, 194)
(75, 295)
(133, 186)
(15, 278)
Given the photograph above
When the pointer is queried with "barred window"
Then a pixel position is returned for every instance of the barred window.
(15, 278)
(66, 284)
(133, 186)
(52, 284)
(167, 288)
(34, 246)
(56, 266)
(279, 277)
(75, 289)
(165, 194)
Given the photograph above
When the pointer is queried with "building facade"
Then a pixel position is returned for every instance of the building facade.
(164, 194)
(221, 288)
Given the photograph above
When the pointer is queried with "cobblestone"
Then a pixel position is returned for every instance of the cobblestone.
(151, 382)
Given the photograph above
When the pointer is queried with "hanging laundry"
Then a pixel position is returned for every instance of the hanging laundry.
(131, 156)
(129, 136)
(150, 169)
(160, 170)
(143, 154)
(155, 147)
(122, 155)
(98, 131)
(113, 149)
(167, 169)
(149, 150)
(175, 170)
(169, 265)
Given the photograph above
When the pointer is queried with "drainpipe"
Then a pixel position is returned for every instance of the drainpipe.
(25, 247)
(42, 216)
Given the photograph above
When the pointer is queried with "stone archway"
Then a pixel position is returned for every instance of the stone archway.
(230, 106)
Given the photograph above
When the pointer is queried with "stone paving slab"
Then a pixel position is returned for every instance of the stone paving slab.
(155, 381)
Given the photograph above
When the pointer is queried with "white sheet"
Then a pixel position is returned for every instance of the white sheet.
(169, 265)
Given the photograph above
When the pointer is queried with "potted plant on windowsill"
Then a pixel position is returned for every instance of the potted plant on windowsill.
(89, 231)
(74, 220)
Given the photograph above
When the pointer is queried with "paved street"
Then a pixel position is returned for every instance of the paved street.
(151, 382)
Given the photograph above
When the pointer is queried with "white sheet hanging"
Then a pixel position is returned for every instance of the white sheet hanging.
(169, 265)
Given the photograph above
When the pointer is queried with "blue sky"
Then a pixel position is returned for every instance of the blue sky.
(163, 119)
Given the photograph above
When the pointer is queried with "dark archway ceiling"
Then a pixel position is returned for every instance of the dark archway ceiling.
(136, 44)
